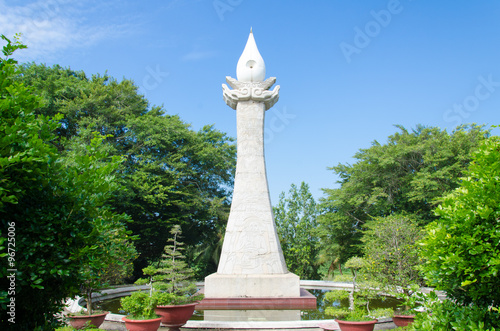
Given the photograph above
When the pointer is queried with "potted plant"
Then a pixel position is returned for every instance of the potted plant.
(106, 262)
(92, 282)
(171, 284)
(392, 256)
(140, 307)
(405, 313)
(358, 317)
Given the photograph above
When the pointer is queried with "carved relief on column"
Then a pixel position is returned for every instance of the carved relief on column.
(255, 91)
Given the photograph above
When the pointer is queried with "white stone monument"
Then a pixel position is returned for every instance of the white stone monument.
(251, 264)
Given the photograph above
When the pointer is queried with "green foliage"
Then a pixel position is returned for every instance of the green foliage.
(9, 49)
(105, 260)
(462, 247)
(54, 203)
(171, 174)
(389, 247)
(139, 306)
(447, 316)
(363, 290)
(170, 278)
(408, 174)
(28, 172)
(413, 298)
(296, 220)
(356, 316)
(70, 328)
(207, 253)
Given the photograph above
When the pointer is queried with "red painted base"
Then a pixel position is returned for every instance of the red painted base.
(305, 301)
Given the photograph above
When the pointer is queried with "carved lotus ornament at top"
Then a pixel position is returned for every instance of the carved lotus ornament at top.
(250, 71)
(251, 66)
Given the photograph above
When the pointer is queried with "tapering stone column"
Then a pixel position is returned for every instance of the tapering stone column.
(251, 263)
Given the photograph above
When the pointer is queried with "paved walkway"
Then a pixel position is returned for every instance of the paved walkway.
(108, 325)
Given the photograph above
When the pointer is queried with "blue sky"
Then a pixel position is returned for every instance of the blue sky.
(348, 70)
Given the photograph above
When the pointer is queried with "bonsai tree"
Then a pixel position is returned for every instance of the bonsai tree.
(170, 279)
(359, 296)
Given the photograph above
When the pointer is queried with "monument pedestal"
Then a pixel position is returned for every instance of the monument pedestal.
(251, 315)
(252, 286)
(254, 292)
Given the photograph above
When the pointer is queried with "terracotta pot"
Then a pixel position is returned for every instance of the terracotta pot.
(79, 322)
(175, 316)
(403, 320)
(142, 325)
(356, 326)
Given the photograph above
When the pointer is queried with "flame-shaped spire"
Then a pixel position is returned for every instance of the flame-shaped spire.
(251, 66)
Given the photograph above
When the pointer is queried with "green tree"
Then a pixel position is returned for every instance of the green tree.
(54, 207)
(359, 296)
(408, 174)
(390, 252)
(296, 220)
(171, 175)
(339, 238)
(207, 253)
(26, 176)
(462, 247)
(170, 277)
(107, 256)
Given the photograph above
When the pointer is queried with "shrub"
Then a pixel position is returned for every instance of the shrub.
(462, 247)
(447, 316)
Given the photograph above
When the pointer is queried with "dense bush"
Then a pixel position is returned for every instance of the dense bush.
(462, 247)
(447, 316)
(54, 208)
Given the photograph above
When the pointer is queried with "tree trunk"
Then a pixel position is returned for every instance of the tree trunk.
(89, 301)
(351, 295)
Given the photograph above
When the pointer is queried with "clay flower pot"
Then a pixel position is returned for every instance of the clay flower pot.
(79, 322)
(356, 326)
(142, 325)
(403, 320)
(175, 316)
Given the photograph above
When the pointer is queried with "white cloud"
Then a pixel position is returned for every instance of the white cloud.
(51, 26)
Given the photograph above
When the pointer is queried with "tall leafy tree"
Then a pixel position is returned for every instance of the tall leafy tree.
(408, 174)
(296, 219)
(171, 175)
(54, 207)
(462, 247)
